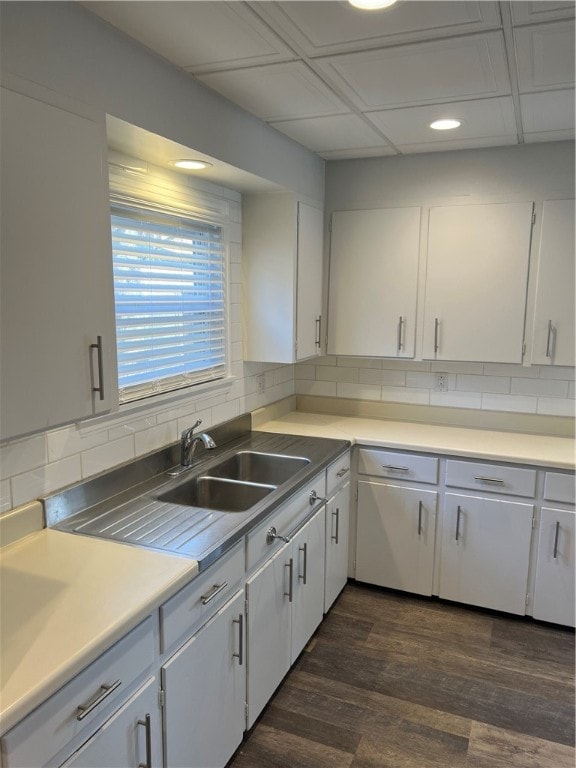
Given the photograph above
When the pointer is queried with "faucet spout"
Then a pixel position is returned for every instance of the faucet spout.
(189, 441)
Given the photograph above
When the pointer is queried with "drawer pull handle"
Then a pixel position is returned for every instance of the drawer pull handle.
(146, 723)
(420, 507)
(556, 537)
(336, 514)
(551, 340)
(395, 468)
(458, 515)
(489, 479)
(304, 550)
(436, 329)
(342, 472)
(216, 589)
(318, 341)
(400, 327)
(314, 498)
(100, 362)
(240, 654)
(290, 566)
(85, 709)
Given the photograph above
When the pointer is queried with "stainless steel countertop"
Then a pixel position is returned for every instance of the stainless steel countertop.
(122, 504)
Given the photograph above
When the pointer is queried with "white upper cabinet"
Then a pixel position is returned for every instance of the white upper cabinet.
(57, 295)
(373, 282)
(476, 282)
(553, 340)
(282, 255)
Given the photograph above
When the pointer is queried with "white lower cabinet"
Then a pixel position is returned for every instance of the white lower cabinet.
(554, 585)
(486, 552)
(204, 685)
(130, 739)
(337, 541)
(395, 536)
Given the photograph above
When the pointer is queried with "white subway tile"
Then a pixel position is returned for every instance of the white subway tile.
(46, 479)
(358, 391)
(71, 440)
(235, 232)
(5, 496)
(454, 399)
(284, 373)
(571, 389)
(390, 378)
(269, 379)
(106, 456)
(335, 373)
(304, 371)
(360, 362)
(321, 388)
(509, 369)
(539, 387)
(131, 427)
(406, 395)
(446, 367)
(225, 412)
(22, 455)
(156, 437)
(421, 380)
(474, 383)
(405, 365)
(514, 403)
(555, 406)
(557, 372)
(327, 360)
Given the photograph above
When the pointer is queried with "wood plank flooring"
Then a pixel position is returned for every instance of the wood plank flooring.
(396, 681)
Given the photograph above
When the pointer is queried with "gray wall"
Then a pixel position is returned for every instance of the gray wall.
(64, 47)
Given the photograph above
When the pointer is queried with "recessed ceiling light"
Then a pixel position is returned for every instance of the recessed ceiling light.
(371, 5)
(190, 165)
(446, 124)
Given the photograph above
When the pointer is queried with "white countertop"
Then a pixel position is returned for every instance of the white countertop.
(515, 447)
(64, 599)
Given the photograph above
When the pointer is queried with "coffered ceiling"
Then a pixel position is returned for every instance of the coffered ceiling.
(351, 83)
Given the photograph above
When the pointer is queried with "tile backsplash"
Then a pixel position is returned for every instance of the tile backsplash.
(486, 386)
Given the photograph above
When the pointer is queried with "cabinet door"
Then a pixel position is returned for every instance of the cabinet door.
(485, 552)
(130, 738)
(205, 689)
(309, 282)
(554, 587)
(57, 292)
(269, 629)
(373, 282)
(308, 582)
(554, 342)
(395, 536)
(337, 538)
(476, 282)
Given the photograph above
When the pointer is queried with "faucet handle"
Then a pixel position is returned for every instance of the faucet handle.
(197, 424)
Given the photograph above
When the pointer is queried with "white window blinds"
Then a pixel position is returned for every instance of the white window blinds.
(170, 293)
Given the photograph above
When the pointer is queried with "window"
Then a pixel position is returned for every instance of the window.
(170, 295)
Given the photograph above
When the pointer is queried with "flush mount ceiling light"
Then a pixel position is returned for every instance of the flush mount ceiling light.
(446, 124)
(371, 5)
(190, 165)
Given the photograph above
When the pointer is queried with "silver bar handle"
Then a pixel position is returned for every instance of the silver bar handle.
(483, 479)
(100, 360)
(290, 566)
(396, 468)
(420, 507)
(556, 537)
(240, 654)
(271, 536)
(147, 724)
(304, 550)
(400, 334)
(337, 516)
(549, 339)
(85, 709)
(342, 472)
(436, 334)
(313, 498)
(458, 515)
(215, 590)
(318, 330)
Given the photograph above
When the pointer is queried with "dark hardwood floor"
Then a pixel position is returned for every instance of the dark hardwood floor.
(395, 681)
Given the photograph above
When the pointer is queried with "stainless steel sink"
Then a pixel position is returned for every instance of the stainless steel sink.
(215, 493)
(256, 467)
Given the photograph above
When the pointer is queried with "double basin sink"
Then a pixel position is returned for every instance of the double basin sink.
(236, 484)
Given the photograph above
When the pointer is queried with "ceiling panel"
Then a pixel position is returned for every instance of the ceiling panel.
(548, 111)
(276, 92)
(545, 56)
(456, 143)
(472, 66)
(196, 35)
(330, 133)
(526, 12)
(344, 28)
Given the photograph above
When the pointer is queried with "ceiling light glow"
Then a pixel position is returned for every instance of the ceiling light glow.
(446, 124)
(190, 165)
(371, 5)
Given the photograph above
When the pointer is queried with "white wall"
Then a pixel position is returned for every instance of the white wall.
(530, 172)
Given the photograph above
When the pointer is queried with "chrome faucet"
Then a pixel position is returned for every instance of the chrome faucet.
(188, 443)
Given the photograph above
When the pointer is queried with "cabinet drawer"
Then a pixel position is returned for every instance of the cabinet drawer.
(200, 599)
(400, 466)
(285, 519)
(559, 486)
(491, 477)
(337, 473)
(53, 724)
